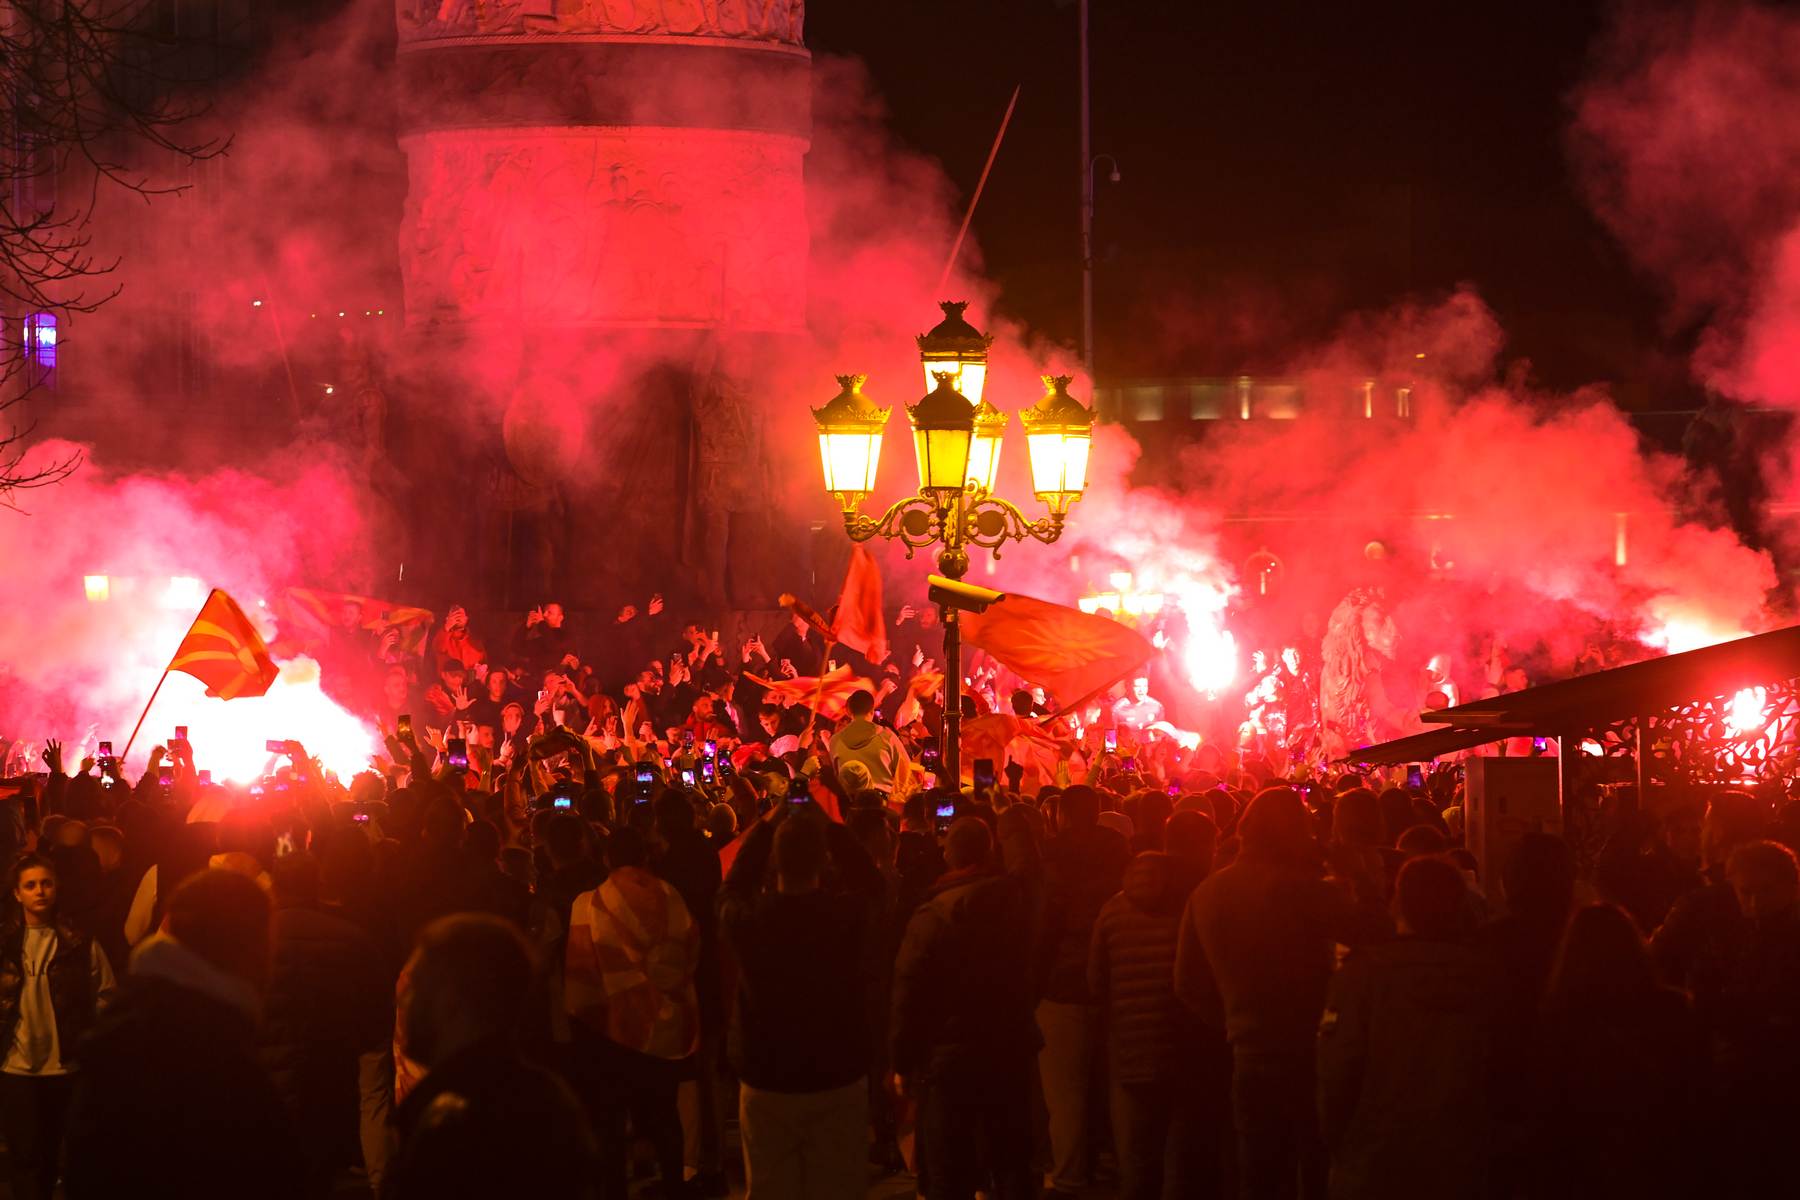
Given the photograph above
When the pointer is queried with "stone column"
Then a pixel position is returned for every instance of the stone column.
(604, 233)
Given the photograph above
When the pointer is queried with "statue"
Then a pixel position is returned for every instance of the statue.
(1361, 641)
(728, 458)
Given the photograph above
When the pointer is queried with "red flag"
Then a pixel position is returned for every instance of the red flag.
(859, 623)
(224, 651)
(1006, 738)
(828, 694)
(1071, 654)
(305, 618)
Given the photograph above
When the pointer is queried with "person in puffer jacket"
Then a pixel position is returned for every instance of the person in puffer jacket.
(1171, 1074)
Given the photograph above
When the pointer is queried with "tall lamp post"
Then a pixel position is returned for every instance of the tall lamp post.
(957, 437)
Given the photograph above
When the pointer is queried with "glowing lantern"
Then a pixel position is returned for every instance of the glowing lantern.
(850, 441)
(943, 428)
(1058, 432)
(957, 347)
(97, 587)
(984, 450)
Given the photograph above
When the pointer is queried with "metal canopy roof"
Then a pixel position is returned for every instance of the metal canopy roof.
(1423, 747)
(1590, 702)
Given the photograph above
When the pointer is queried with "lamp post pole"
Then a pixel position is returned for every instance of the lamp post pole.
(1087, 209)
(953, 563)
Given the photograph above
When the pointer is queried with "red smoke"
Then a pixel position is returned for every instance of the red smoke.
(1499, 505)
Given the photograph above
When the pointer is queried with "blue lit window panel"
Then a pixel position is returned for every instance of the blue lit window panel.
(40, 338)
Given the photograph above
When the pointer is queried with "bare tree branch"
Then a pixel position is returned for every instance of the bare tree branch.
(98, 101)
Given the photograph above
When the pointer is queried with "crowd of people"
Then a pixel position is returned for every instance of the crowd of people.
(627, 910)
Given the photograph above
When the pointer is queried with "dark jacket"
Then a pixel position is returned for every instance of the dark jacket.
(542, 646)
(962, 989)
(330, 999)
(800, 1020)
(171, 1101)
(1255, 952)
(1617, 1095)
(690, 865)
(1083, 869)
(1406, 1069)
(71, 974)
(1152, 1036)
(487, 1123)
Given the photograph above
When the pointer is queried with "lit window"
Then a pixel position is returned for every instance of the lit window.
(1145, 403)
(40, 338)
(1209, 401)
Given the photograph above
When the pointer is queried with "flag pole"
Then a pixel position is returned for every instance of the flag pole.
(161, 681)
(980, 186)
(141, 716)
(813, 715)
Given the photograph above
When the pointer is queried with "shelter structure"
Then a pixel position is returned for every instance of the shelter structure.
(1723, 716)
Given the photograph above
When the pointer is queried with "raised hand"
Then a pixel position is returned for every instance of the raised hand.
(534, 617)
(53, 756)
(461, 698)
(628, 613)
(656, 604)
(918, 657)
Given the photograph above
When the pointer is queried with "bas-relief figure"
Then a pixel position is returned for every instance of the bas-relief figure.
(754, 20)
(605, 227)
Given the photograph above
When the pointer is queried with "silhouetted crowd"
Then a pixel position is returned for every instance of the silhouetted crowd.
(691, 932)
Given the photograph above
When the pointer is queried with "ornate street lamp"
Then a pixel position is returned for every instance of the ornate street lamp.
(957, 437)
(984, 451)
(1058, 433)
(958, 347)
(943, 427)
(850, 441)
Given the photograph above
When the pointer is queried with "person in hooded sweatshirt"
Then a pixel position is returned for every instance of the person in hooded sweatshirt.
(1170, 1073)
(874, 746)
(1407, 1051)
(171, 1099)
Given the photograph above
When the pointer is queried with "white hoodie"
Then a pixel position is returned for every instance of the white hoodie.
(874, 746)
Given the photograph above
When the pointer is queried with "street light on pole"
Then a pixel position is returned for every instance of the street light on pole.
(957, 442)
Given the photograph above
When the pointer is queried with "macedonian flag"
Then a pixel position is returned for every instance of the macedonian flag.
(1071, 654)
(224, 651)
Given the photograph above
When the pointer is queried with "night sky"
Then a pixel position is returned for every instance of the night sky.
(1283, 165)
